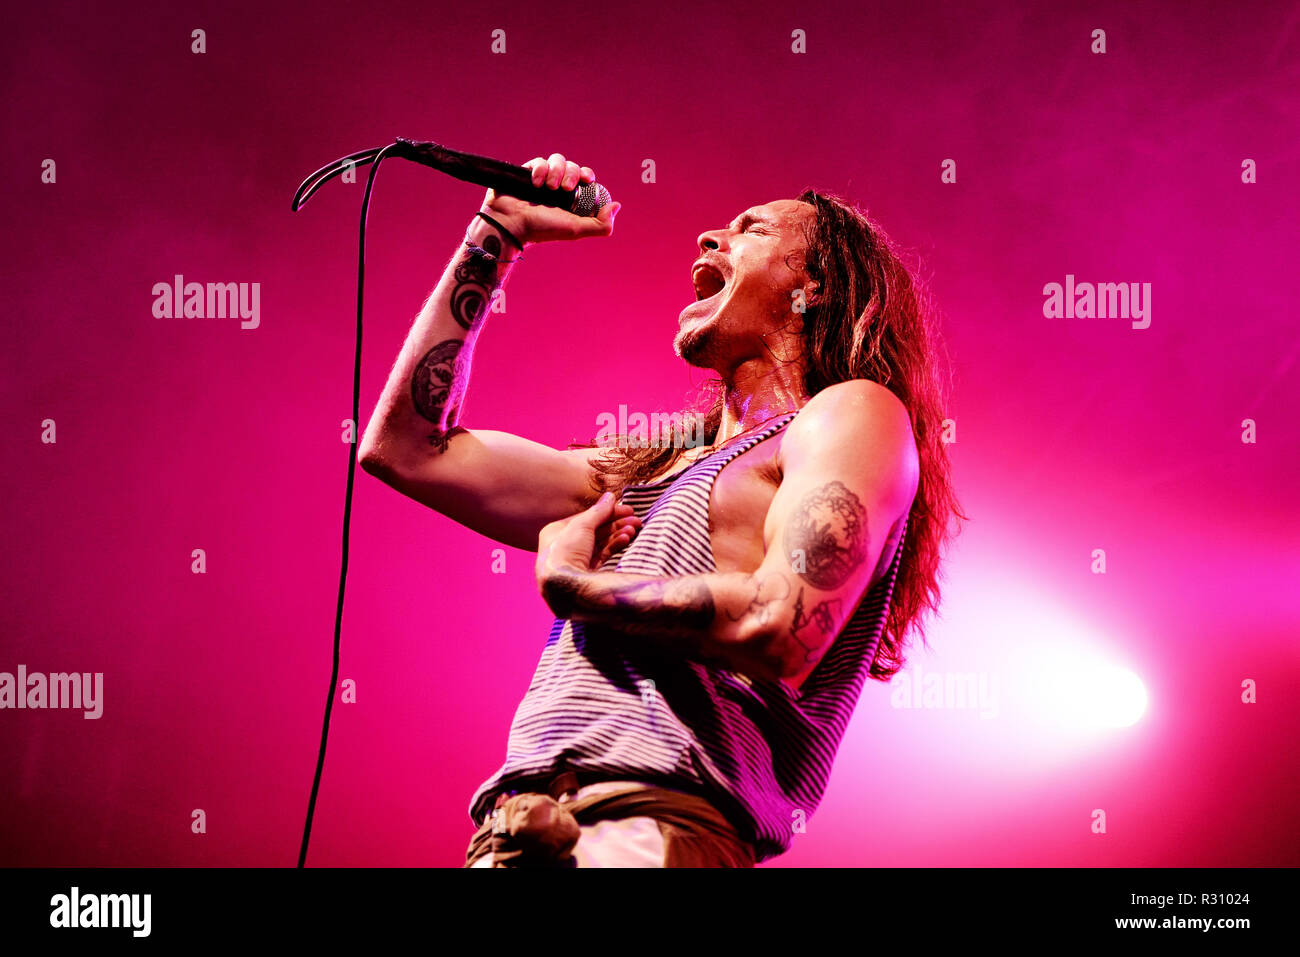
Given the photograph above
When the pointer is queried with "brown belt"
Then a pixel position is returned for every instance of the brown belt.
(534, 829)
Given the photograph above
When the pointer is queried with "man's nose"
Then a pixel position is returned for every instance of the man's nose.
(710, 240)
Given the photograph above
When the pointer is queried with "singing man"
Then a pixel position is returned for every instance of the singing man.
(719, 606)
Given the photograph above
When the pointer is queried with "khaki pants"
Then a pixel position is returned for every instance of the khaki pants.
(606, 824)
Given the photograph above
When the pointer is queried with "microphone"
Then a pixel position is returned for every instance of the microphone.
(505, 178)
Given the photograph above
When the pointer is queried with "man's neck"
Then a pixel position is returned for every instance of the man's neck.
(756, 392)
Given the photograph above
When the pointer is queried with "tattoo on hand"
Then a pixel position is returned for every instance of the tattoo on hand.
(476, 279)
(830, 530)
(436, 376)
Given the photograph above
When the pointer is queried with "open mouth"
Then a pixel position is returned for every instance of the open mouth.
(708, 281)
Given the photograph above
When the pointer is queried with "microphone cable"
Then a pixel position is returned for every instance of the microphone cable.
(315, 181)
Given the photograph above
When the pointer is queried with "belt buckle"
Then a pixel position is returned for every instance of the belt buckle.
(498, 819)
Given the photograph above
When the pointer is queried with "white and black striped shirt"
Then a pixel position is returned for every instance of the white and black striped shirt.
(759, 750)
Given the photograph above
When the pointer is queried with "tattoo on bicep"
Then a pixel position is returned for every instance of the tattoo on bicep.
(811, 630)
(476, 280)
(437, 377)
(828, 534)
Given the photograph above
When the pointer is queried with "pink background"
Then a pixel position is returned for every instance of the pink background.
(1073, 434)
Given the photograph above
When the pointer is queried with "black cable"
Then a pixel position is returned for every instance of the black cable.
(320, 177)
(326, 173)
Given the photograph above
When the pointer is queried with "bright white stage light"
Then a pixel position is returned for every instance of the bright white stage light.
(1124, 700)
(1084, 694)
(1065, 685)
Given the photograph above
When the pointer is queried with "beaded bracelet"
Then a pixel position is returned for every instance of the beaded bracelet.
(477, 250)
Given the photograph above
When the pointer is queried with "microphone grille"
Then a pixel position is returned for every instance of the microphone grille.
(588, 199)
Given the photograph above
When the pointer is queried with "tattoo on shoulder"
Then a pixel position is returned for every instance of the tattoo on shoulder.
(440, 373)
(827, 536)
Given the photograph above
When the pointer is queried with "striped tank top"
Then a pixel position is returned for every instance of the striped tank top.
(608, 705)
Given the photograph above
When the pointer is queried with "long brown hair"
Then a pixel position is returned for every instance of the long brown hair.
(872, 320)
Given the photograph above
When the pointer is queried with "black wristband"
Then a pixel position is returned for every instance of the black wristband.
(503, 231)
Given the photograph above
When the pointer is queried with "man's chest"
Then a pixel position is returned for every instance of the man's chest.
(741, 497)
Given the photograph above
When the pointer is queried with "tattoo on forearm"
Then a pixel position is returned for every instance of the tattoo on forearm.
(829, 535)
(683, 610)
(439, 375)
(680, 606)
(438, 383)
(476, 279)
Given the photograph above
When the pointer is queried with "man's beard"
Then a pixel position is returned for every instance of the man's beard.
(693, 344)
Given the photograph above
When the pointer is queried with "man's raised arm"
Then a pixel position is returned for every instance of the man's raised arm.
(501, 485)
